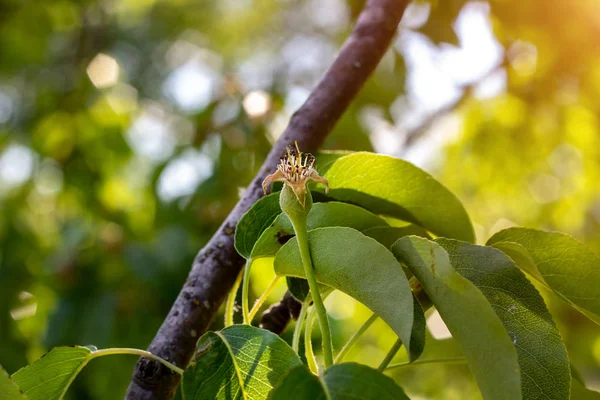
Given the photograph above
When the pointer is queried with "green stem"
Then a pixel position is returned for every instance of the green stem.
(263, 297)
(245, 291)
(354, 338)
(308, 349)
(302, 237)
(390, 355)
(299, 324)
(448, 360)
(230, 305)
(138, 352)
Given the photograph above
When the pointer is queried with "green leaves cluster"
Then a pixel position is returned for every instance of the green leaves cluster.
(483, 294)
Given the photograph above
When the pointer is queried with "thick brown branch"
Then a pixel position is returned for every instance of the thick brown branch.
(217, 264)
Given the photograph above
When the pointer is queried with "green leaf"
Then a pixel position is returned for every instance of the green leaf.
(321, 215)
(359, 266)
(49, 377)
(387, 185)
(356, 381)
(387, 235)
(254, 222)
(239, 362)
(563, 264)
(470, 318)
(9, 390)
(541, 353)
(340, 382)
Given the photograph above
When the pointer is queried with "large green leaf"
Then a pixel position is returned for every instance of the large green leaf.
(340, 382)
(347, 260)
(541, 353)
(387, 185)
(49, 377)
(239, 362)
(322, 214)
(254, 222)
(561, 263)
(469, 316)
(9, 390)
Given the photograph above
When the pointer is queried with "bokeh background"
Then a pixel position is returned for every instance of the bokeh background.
(128, 130)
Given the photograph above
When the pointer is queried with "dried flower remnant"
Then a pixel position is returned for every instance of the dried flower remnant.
(295, 169)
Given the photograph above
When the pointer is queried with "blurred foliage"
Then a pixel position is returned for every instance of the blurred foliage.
(128, 129)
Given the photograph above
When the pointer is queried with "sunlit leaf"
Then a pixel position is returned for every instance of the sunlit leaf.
(239, 362)
(561, 263)
(387, 185)
(341, 381)
(541, 354)
(359, 266)
(9, 390)
(470, 318)
(49, 377)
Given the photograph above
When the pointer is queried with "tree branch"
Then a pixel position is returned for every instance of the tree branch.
(216, 266)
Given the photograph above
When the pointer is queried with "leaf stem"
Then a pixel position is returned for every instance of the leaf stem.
(263, 297)
(245, 291)
(447, 360)
(138, 352)
(302, 238)
(308, 349)
(230, 305)
(354, 338)
(390, 355)
(300, 323)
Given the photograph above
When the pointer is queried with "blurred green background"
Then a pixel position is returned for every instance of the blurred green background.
(128, 130)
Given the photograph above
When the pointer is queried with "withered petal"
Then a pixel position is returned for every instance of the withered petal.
(277, 176)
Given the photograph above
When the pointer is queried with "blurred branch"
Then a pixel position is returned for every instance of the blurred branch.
(217, 265)
(419, 131)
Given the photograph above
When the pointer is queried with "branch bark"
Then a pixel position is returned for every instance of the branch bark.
(216, 266)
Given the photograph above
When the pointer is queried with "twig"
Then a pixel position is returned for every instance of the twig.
(217, 265)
